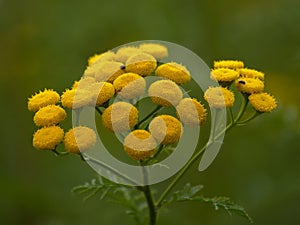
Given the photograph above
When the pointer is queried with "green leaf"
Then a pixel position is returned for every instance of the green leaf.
(186, 194)
(126, 196)
(190, 193)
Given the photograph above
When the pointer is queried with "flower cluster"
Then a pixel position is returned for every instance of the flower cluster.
(48, 116)
(249, 82)
(115, 81)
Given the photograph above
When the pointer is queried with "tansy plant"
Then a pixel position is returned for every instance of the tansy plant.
(140, 96)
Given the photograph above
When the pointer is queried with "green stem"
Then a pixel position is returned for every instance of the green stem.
(149, 115)
(111, 169)
(254, 115)
(179, 175)
(99, 111)
(161, 147)
(151, 205)
(200, 152)
(242, 109)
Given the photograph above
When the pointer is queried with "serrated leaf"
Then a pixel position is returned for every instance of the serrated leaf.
(226, 204)
(126, 196)
(187, 193)
(190, 193)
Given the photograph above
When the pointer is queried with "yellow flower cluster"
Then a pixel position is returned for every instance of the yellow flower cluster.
(250, 82)
(48, 115)
(114, 81)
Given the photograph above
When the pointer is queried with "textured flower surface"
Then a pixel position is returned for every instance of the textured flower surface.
(191, 112)
(130, 85)
(165, 93)
(174, 71)
(139, 144)
(251, 73)
(47, 138)
(142, 63)
(120, 117)
(157, 50)
(107, 71)
(79, 139)
(219, 97)
(43, 98)
(224, 75)
(263, 102)
(230, 64)
(249, 85)
(49, 115)
(101, 92)
(166, 129)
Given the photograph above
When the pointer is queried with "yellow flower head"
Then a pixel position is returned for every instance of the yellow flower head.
(142, 63)
(43, 98)
(47, 138)
(263, 102)
(76, 98)
(101, 92)
(174, 71)
(139, 144)
(191, 112)
(79, 139)
(85, 83)
(108, 71)
(157, 50)
(166, 129)
(224, 75)
(125, 52)
(106, 56)
(219, 97)
(249, 85)
(130, 85)
(120, 116)
(49, 115)
(165, 93)
(75, 84)
(229, 64)
(251, 73)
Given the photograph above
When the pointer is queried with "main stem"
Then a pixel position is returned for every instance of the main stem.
(151, 204)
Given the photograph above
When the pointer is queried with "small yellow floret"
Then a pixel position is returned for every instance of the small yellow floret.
(85, 82)
(76, 98)
(263, 102)
(219, 97)
(165, 129)
(249, 85)
(47, 138)
(49, 115)
(124, 53)
(101, 92)
(191, 112)
(224, 75)
(229, 64)
(43, 98)
(174, 71)
(120, 116)
(130, 85)
(108, 71)
(251, 73)
(139, 144)
(106, 56)
(79, 139)
(157, 50)
(142, 63)
(165, 93)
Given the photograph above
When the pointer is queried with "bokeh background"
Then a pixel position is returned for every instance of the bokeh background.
(46, 44)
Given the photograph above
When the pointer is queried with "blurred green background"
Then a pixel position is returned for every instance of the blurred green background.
(46, 44)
